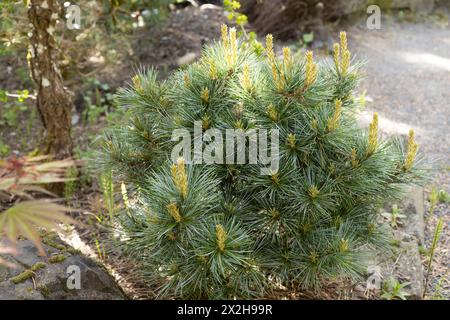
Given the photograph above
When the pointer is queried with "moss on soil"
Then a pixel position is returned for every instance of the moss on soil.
(45, 291)
(22, 277)
(57, 258)
(38, 265)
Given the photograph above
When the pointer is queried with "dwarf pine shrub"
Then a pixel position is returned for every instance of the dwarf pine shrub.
(225, 230)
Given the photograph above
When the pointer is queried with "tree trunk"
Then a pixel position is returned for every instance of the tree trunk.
(54, 101)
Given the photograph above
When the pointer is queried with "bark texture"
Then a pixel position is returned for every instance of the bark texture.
(54, 101)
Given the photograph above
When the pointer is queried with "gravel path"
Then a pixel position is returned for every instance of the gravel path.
(408, 78)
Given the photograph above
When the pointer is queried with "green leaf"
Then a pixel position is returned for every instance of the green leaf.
(235, 5)
(3, 96)
(27, 217)
(241, 19)
(308, 37)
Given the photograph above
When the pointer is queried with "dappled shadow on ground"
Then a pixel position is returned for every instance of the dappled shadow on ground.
(408, 80)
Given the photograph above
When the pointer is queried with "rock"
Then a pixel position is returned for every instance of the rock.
(209, 6)
(408, 267)
(421, 6)
(415, 208)
(187, 58)
(39, 278)
(424, 6)
(403, 263)
(7, 273)
(387, 127)
(193, 3)
(75, 118)
(21, 291)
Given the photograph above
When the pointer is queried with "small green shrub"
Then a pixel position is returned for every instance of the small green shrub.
(393, 289)
(4, 149)
(225, 230)
(432, 250)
